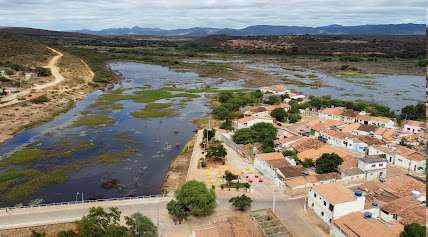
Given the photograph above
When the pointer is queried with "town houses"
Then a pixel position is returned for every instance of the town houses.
(372, 153)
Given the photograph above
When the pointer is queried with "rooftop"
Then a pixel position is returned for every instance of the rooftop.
(374, 159)
(333, 111)
(291, 171)
(335, 193)
(414, 123)
(355, 225)
(278, 163)
(270, 156)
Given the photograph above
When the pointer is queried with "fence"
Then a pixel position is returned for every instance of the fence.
(6, 209)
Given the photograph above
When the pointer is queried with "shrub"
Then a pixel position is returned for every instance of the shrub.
(40, 100)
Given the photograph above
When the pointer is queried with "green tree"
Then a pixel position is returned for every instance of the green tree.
(178, 210)
(221, 112)
(414, 112)
(141, 226)
(273, 100)
(242, 202)
(328, 162)
(37, 234)
(209, 133)
(308, 163)
(294, 117)
(279, 114)
(229, 177)
(101, 223)
(413, 230)
(216, 150)
(227, 124)
(244, 136)
(196, 197)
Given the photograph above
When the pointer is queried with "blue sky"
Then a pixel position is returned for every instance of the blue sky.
(169, 14)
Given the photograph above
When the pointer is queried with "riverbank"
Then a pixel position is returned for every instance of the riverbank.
(42, 105)
(177, 171)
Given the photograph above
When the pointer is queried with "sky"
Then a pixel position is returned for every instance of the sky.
(173, 14)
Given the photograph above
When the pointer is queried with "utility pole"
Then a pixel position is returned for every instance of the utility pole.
(77, 194)
(274, 196)
(82, 197)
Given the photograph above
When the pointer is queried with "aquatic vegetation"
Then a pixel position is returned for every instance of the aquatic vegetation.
(93, 121)
(113, 157)
(13, 174)
(23, 156)
(155, 110)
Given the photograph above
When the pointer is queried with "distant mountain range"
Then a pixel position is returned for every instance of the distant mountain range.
(258, 30)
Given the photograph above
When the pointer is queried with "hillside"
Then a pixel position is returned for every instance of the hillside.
(258, 30)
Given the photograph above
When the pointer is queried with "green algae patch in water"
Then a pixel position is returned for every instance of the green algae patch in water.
(23, 156)
(155, 110)
(93, 121)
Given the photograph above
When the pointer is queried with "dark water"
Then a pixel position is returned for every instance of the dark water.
(154, 142)
(395, 91)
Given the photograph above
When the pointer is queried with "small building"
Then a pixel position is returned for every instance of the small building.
(331, 113)
(412, 126)
(402, 157)
(247, 122)
(334, 137)
(296, 96)
(279, 89)
(268, 163)
(373, 166)
(363, 225)
(376, 121)
(396, 209)
(352, 175)
(332, 201)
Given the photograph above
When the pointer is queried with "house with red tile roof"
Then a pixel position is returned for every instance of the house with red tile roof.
(401, 156)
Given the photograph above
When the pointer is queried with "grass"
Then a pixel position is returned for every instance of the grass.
(155, 110)
(23, 156)
(93, 121)
(17, 185)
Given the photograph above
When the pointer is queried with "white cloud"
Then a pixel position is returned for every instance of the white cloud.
(97, 14)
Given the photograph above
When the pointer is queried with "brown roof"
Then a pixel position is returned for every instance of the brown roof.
(333, 111)
(306, 144)
(355, 225)
(335, 133)
(399, 186)
(416, 214)
(278, 163)
(291, 171)
(370, 140)
(367, 128)
(348, 128)
(409, 153)
(398, 205)
(315, 154)
(414, 123)
(270, 156)
(236, 226)
(318, 126)
(373, 118)
(350, 113)
(335, 193)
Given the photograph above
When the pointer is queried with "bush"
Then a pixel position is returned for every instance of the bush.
(195, 197)
(263, 133)
(227, 125)
(413, 230)
(40, 100)
(43, 72)
(273, 99)
(279, 114)
(328, 163)
(242, 202)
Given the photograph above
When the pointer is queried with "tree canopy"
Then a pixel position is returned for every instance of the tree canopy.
(414, 112)
(279, 114)
(216, 150)
(242, 202)
(192, 198)
(232, 101)
(413, 230)
(263, 133)
(328, 162)
(273, 100)
(102, 223)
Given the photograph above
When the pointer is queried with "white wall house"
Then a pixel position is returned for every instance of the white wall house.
(268, 163)
(331, 201)
(279, 89)
(402, 157)
(377, 121)
(247, 122)
(411, 126)
(374, 167)
(334, 137)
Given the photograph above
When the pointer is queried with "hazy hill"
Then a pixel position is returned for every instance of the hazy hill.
(391, 29)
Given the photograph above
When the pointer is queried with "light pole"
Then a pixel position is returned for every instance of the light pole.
(77, 194)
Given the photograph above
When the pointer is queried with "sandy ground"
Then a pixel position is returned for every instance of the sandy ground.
(71, 82)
